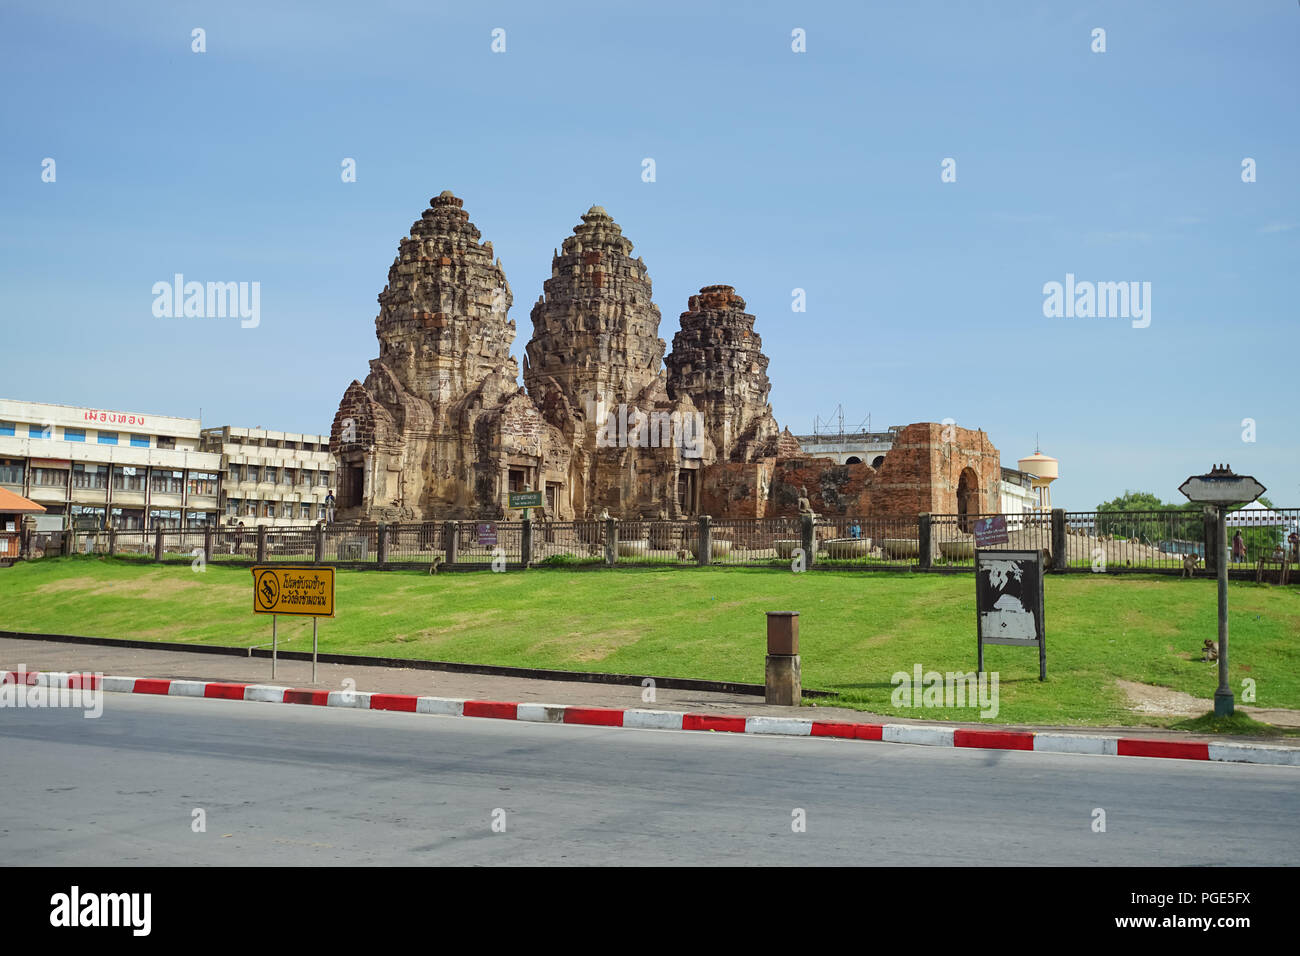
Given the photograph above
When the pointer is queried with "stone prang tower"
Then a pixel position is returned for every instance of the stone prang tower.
(717, 360)
(595, 328)
(421, 435)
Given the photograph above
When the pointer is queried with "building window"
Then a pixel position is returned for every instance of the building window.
(202, 483)
(324, 479)
(128, 519)
(40, 431)
(50, 477)
(320, 512)
(11, 471)
(164, 518)
(167, 482)
(139, 441)
(253, 472)
(8, 428)
(270, 509)
(74, 434)
(290, 476)
(106, 438)
(128, 478)
(304, 511)
(196, 519)
(92, 518)
(516, 479)
(233, 471)
(250, 509)
(166, 441)
(90, 476)
(270, 474)
(232, 506)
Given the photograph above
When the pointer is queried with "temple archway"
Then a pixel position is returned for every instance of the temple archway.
(968, 499)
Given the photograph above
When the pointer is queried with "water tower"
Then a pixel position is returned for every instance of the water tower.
(1042, 471)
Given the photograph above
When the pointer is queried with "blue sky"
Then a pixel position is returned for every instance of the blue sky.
(774, 171)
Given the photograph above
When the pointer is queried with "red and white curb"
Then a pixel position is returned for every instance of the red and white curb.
(924, 735)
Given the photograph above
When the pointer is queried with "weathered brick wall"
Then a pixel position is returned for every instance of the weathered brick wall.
(735, 489)
(923, 470)
(833, 489)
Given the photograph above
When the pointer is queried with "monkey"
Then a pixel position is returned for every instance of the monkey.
(1190, 562)
(683, 554)
(437, 563)
(595, 550)
(1211, 650)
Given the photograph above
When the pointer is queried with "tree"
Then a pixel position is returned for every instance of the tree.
(1142, 515)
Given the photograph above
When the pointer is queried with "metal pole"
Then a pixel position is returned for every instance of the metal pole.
(273, 645)
(314, 622)
(1223, 702)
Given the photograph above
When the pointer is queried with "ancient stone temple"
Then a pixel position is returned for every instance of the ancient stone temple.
(440, 420)
(441, 428)
(717, 360)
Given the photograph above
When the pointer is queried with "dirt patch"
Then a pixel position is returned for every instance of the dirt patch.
(1162, 701)
(154, 585)
(1166, 702)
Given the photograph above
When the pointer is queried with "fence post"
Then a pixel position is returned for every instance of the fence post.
(157, 543)
(611, 541)
(207, 542)
(25, 549)
(381, 557)
(320, 542)
(526, 542)
(808, 539)
(1060, 559)
(1213, 547)
(450, 540)
(704, 544)
(924, 554)
(261, 544)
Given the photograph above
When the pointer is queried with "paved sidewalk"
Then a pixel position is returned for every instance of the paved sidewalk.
(185, 665)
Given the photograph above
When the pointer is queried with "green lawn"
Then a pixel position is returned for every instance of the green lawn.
(857, 629)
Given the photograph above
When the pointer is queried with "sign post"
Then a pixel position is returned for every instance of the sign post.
(1009, 602)
(1221, 488)
(301, 590)
(525, 499)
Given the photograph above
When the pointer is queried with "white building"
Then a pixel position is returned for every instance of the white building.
(851, 448)
(135, 470)
(1016, 495)
(271, 478)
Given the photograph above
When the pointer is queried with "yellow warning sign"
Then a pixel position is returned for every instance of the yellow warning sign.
(293, 589)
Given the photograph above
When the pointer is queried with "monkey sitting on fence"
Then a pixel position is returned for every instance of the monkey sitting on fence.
(1190, 563)
(1210, 652)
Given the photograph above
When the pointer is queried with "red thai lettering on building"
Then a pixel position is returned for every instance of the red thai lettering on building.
(113, 418)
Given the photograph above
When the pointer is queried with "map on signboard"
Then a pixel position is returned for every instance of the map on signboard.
(1008, 617)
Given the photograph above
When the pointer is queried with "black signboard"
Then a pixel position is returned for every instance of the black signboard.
(1009, 602)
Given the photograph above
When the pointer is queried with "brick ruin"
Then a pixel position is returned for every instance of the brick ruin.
(441, 428)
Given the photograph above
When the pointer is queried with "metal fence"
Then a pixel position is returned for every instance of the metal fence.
(868, 543)
(1167, 541)
(952, 537)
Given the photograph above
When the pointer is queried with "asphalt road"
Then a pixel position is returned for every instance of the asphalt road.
(287, 785)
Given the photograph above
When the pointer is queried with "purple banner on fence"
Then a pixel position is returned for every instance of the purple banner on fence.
(487, 535)
(991, 531)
